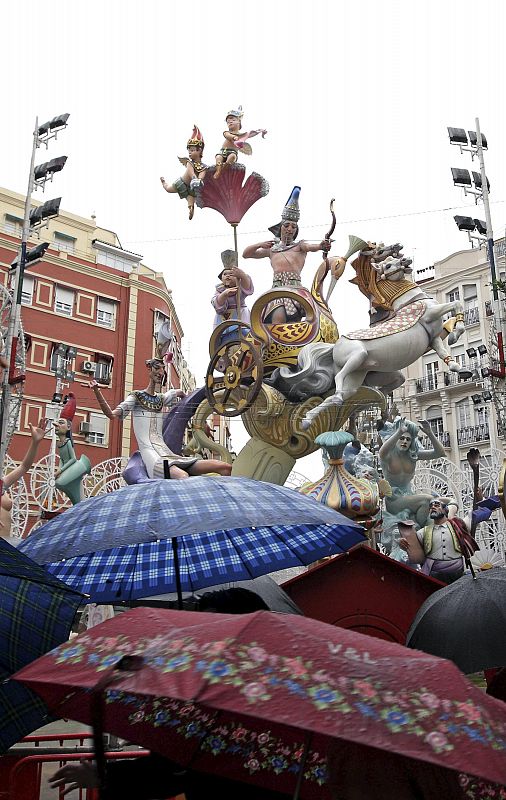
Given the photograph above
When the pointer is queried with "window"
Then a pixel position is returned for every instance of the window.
(113, 260)
(431, 374)
(98, 429)
(463, 414)
(106, 312)
(103, 370)
(434, 416)
(158, 321)
(13, 225)
(27, 291)
(64, 242)
(470, 295)
(452, 296)
(62, 357)
(64, 301)
(482, 415)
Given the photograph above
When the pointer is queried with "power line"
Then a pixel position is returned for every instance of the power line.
(316, 225)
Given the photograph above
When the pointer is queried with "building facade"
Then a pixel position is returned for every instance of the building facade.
(461, 413)
(95, 306)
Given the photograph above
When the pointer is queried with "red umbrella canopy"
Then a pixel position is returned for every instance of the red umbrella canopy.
(242, 695)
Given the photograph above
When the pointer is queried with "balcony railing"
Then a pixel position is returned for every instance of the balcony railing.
(443, 437)
(472, 316)
(453, 378)
(473, 433)
(428, 384)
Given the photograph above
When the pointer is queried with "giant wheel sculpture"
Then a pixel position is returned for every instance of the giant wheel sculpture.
(43, 486)
(17, 388)
(105, 477)
(20, 506)
(236, 364)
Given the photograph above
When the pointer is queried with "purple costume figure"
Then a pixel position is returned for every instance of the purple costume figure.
(234, 282)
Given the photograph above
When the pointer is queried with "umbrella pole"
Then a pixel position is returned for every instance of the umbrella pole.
(300, 776)
(177, 573)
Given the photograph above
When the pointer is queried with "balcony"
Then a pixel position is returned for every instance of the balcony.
(453, 378)
(473, 433)
(472, 316)
(443, 437)
(428, 384)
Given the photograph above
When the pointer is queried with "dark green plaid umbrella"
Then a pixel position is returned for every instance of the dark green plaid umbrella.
(36, 614)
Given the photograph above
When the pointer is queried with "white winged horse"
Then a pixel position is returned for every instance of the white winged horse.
(374, 356)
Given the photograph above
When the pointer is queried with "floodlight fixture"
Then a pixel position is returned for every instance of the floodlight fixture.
(44, 212)
(461, 177)
(471, 352)
(457, 136)
(485, 372)
(465, 223)
(59, 122)
(33, 255)
(45, 171)
(57, 398)
(482, 349)
(49, 130)
(478, 182)
(477, 399)
(487, 395)
(481, 226)
(473, 140)
(71, 352)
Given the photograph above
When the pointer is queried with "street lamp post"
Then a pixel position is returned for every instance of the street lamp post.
(37, 178)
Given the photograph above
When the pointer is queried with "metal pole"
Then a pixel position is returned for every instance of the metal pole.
(488, 218)
(17, 288)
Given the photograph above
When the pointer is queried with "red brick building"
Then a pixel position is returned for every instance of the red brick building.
(89, 294)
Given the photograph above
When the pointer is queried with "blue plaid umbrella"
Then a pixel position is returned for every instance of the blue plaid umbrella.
(122, 546)
(36, 614)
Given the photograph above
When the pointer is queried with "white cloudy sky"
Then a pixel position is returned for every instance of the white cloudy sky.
(356, 98)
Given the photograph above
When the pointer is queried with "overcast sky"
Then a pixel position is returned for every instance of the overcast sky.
(356, 98)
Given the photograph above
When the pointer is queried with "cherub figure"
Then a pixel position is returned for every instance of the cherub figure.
(194, 173)
(234, 141)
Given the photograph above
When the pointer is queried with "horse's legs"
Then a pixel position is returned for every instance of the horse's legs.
(437, 311)
(345, 375)
(444, 354)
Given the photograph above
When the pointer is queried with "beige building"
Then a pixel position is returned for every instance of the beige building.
(462, 414)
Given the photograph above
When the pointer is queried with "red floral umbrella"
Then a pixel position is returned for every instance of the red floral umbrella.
(261, 697)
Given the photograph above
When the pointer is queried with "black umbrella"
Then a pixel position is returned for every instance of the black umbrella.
(465, 622)
(36, 615)
(272, 594)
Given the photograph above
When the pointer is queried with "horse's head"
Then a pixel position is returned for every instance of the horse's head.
(393, 268)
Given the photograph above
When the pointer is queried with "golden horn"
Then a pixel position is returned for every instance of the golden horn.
(356, 244)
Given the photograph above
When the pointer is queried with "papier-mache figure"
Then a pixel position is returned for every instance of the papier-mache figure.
(287, 257)
(195, 170)
(234, 141)
(232, 281)
(71, 470)
(442, 546)
(37, 434)
(146, 407)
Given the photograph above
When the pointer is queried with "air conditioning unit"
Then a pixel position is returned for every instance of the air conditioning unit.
(88, 366)
(85, 427)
